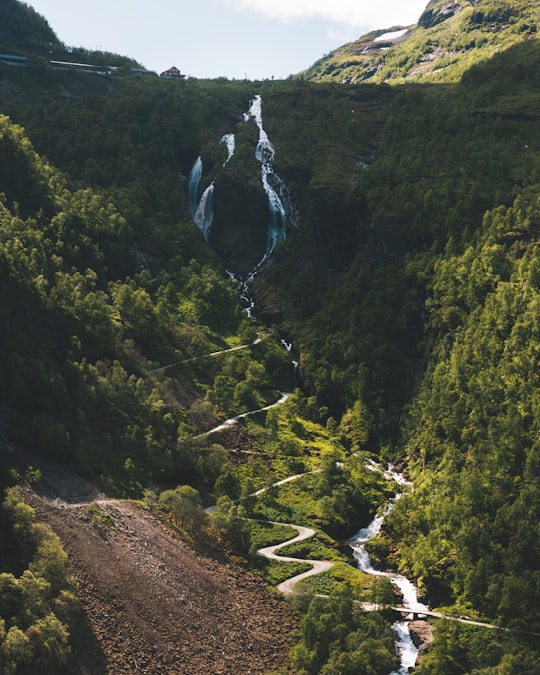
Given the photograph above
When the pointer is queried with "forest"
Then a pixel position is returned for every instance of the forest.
(408, 287)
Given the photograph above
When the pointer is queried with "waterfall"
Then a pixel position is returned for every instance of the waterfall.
(243, 288)
(282, 212)
(406, 648)
(193, 186)
(279, 200)
(201, 210)
(204, 215)
(289, 347)
(230, 142)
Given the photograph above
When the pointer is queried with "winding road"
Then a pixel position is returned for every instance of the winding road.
(318, 566)
(75, 493)
(233, 420)
(208, 356)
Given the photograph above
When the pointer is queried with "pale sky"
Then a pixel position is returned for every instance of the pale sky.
(256, 39)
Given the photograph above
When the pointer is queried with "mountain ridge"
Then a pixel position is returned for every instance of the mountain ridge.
(448, 35)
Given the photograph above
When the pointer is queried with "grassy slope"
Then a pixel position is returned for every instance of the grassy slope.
(437, 49)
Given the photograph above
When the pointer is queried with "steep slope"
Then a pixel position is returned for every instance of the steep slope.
(24, 30)
(449, 37)
(151, 604)
(67, 261)
(27, 35)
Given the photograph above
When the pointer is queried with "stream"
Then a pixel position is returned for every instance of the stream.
(406, 648)
(281, 214)
(281, 210)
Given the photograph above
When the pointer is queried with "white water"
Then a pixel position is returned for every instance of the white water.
(407, 650)
(289, 347)
(230, 142)
(193, 186)
(243, 287)
(201, 210)
(204, 215)
(279, 200)
(405, 646)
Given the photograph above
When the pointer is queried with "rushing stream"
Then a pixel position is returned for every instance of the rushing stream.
(230, 142)
(406, 648)
(281, 214)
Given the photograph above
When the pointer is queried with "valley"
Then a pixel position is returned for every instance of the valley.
(224, 306)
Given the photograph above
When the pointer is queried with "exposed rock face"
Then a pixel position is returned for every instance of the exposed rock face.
(435, 13)
(422, 636)
(499, 16)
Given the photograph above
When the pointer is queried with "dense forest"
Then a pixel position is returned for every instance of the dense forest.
(408, 285)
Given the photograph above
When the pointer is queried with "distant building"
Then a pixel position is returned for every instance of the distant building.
(172, 74)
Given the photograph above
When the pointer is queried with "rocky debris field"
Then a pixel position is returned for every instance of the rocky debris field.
(153, 605)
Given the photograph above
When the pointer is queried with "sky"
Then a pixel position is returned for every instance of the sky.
(237, 39)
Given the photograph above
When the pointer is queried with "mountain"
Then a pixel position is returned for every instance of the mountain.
(177, 254)
(450, 36)
(24, 30)
(27, 35)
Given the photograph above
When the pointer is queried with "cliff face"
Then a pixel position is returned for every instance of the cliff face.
(436, 12)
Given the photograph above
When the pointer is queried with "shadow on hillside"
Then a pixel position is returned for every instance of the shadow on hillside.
(87, 658)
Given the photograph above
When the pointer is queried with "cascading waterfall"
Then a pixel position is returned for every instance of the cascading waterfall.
(243, 287)
(289, 347)
(201, 210)
(204, 215)
(280, 205)
(279, 200)
(282, 213)
(407, 650)
(230, 142)
(193, 186)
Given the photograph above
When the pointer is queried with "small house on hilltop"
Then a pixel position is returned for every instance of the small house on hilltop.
(172, 74)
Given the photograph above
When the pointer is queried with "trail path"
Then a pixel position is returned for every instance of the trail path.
(233, 420)
(318, 566)
(270, 552)
(150, 603)
(208, 356)
(287, 587)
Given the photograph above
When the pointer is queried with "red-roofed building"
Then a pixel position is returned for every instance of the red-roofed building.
(173, 74)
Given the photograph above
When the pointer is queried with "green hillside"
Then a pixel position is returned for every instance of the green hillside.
(448, 38)
(408, 283)
(23, 29)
